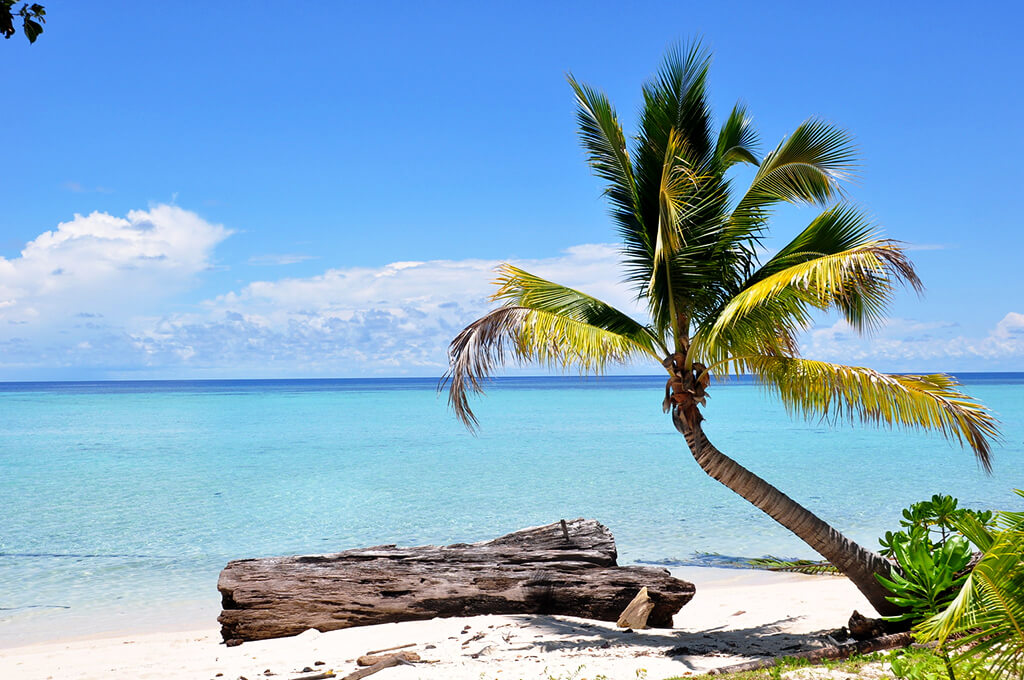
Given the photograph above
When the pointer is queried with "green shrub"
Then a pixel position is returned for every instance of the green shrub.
(931, 555)
(984, 624)
(928, 577)
(933, 521)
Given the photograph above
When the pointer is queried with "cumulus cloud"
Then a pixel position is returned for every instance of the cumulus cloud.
(99, 263)
(102, 296)
(94, 295)
(906, 344)
(65, 298)
(393, 319)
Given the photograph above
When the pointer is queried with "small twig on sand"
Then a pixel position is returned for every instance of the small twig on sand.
(830, 653)
(476, 637)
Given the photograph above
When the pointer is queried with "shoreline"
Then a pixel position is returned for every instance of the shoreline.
(737, 614)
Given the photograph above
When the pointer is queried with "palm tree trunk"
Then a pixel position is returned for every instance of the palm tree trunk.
(857, 563)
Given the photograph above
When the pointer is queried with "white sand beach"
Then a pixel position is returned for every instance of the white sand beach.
(735, 615)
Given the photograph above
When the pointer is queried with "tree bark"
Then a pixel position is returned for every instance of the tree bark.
(857, 563)
(533, 571)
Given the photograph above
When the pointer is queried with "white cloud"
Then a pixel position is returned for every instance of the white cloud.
(64, 300)
(393, 319)
(96, 295)
(103, 264)
(906, 344)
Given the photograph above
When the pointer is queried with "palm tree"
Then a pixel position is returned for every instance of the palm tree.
(692, 250)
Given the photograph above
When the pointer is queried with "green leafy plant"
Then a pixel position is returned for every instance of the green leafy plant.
(933, 557)
(933, 521)
(929, 576)
(924, 664)
(984, 624)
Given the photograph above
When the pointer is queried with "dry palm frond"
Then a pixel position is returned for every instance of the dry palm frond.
(931, 402)
(523, 334)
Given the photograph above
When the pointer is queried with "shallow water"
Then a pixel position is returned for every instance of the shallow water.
(116, 496)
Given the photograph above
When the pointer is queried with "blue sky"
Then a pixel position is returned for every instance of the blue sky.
(246, 175)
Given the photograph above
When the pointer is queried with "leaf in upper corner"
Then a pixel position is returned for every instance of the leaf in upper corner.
(32, 30)
(6, 22)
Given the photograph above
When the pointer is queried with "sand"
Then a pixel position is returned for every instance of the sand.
(736, 615)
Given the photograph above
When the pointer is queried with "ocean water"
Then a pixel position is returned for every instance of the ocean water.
(121, 502)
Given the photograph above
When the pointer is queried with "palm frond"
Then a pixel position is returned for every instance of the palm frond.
(542, 322)
(519, 288)
(859, 281)
(833, 391)
(676, 99)
(835, 230)
(810, 567)
(684, 234)
(770, 324)
(770, 329)
(861, 267)
(806, 167)
(675, 125)
(678, 185)
(608, 155)
(737, 140)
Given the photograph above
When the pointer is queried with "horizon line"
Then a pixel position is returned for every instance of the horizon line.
(438, 378)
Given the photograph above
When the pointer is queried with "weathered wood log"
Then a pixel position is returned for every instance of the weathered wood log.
(533, 571)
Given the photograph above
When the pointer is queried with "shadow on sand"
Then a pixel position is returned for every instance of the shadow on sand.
(765, 640)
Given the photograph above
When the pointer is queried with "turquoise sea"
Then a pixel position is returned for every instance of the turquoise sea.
(121, 501)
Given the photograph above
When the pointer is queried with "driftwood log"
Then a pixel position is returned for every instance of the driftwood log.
(564, 568)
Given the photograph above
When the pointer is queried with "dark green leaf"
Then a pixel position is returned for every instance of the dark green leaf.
(32, 30)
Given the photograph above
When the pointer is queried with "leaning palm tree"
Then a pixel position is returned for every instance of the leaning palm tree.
(692, 251)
